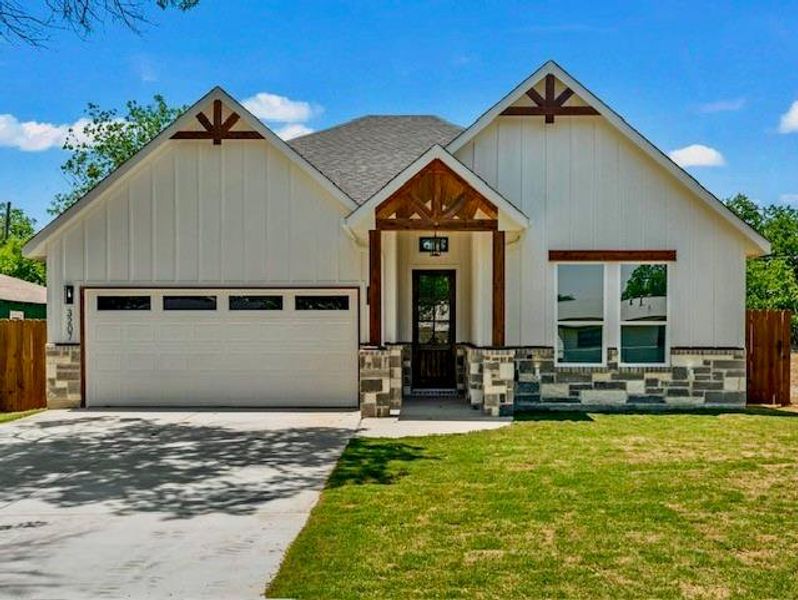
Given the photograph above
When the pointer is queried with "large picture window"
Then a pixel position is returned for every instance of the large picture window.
(644, 314)
(580, 314)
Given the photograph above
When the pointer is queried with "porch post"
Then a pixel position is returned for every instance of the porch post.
(375, 287)
(498, 288)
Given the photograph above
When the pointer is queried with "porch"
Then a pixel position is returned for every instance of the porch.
(437, 238)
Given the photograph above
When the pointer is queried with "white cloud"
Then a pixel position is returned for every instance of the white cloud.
(729, 105)
(33, 136)
(789, 120)
(697, 155)
(788, 198)
(293, 130)
(271, 107)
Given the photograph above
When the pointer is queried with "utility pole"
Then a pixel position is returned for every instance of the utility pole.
(7, 226)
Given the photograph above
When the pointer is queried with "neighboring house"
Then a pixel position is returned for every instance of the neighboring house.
(392, 254)
(20, 299)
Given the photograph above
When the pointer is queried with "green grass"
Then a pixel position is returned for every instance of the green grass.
(561, 506)
(6, 417)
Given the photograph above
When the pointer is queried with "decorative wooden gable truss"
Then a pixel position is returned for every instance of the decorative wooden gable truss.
(550, 105)
(217, 130)
(437, 198)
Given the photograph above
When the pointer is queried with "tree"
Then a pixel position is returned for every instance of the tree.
(106, 142)
(30, 21)
(771, 281)
(11, 260)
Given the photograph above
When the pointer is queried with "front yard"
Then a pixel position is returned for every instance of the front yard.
(576, 506)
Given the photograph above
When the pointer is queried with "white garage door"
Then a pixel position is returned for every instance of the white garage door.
(280, 348)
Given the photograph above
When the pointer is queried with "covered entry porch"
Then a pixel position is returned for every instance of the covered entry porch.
(437, 237)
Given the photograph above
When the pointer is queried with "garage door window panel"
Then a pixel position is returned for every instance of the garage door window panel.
(255, 303)
(322, 303)
(189, 302)
(123, 303)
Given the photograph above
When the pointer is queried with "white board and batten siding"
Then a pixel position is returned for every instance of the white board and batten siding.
(193, 214)
(584, 186)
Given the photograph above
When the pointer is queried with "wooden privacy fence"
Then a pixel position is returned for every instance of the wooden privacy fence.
(22, 365)
(767, 342)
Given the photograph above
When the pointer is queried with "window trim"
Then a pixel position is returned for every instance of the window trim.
(666, 322)
(603, 322)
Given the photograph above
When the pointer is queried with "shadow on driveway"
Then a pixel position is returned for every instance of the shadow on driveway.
(183, 469)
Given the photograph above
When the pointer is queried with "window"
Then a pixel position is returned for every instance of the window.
(580, 314)
(123, 303)
(256, 303)
(644, 313)
(322, 303)
(189, 302)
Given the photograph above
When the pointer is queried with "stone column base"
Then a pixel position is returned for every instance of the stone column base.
(63, 376)
(380, 381)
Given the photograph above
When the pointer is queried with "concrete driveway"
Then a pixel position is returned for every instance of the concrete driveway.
(158, 504)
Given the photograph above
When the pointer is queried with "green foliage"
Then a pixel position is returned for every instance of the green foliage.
(11, 260)
(646, 281)
(772, 281)
(106, 142)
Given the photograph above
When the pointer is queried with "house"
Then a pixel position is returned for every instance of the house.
(21, 299)
(546, 255)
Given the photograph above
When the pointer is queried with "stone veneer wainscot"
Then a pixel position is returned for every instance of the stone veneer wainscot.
(63, 375)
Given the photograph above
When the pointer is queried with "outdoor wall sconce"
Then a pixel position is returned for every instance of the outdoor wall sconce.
(435, 245)
(69, 294)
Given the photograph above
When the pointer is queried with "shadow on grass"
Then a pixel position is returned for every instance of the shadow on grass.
(370, 461)
(547, 414)
(553, 415)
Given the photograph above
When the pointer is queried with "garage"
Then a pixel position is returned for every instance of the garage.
(288, 348)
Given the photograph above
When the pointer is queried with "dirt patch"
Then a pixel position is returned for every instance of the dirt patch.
(704, 592)
(478, 556)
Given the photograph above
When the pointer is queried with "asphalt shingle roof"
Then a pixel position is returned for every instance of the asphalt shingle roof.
(17, 290)
(362, 155)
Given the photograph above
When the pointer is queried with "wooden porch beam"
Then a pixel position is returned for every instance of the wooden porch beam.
(375, 287)
(498, 288)
(612, 255)
(424, 225)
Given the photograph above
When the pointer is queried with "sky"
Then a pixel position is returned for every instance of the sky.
(713, 84)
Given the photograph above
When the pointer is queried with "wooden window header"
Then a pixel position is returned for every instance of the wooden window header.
(613, 255)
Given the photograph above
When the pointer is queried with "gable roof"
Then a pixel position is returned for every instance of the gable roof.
(551, 67)
(35, 246)
(19, 290)
(363, 217)
(362, 155)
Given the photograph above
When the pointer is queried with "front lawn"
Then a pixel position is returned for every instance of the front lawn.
(568, 506)
(5, 417)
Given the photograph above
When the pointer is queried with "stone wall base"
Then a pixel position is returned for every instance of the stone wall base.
(504, 381)
(63, 376)
(380, 381)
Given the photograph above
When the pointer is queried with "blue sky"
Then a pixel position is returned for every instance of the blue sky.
(723, 75)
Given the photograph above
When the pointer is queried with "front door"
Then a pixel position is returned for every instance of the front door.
(433, 329)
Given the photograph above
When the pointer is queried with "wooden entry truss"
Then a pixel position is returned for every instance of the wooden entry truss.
(550, 105)
(436, 198)
(218, 129)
